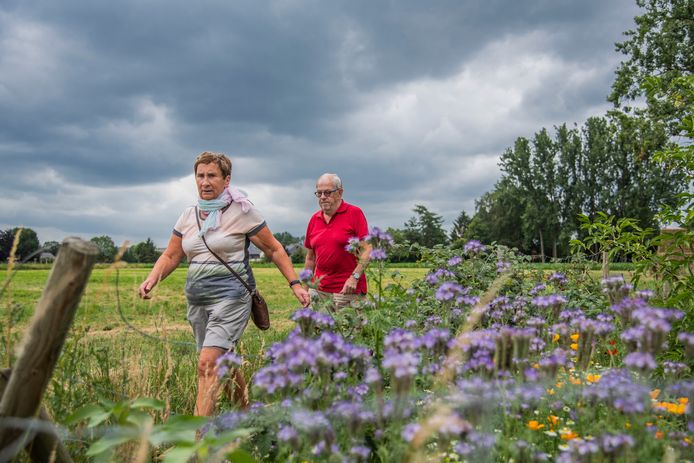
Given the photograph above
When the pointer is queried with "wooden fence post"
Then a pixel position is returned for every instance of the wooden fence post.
(46, 446)
(45, 336)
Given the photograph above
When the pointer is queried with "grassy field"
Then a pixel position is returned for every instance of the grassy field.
(105, 358)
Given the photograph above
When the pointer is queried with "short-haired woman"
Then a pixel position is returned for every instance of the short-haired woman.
(219, 305)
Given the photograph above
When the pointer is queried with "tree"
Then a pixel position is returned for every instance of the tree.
(498, 216)
(143, 252)
(28, 243)
(286, 238)
(662, 45)
(107, 248)
(425, 228)
(460, 226)
(51, 246)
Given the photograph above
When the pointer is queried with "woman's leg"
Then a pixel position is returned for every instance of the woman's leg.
(208, 382)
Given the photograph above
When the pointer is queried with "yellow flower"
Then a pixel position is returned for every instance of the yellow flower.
(574, 337)
(591, 378)
(627, 425)
(574, 346)
(550, 391)
(535, 425)
(556, 337)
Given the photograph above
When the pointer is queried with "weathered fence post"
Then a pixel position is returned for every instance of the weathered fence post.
(45, 336)
(46, 446)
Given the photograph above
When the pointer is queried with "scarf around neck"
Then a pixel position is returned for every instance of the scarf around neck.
(214, 207)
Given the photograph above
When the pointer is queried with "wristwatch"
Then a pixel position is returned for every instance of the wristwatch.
(294, 282)
(356, 275)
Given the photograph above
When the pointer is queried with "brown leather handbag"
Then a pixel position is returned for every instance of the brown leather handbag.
(259, 311)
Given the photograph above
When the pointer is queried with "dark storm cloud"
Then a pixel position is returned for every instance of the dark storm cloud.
(107, 94)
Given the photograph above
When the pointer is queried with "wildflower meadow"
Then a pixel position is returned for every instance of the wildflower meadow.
(485, 358)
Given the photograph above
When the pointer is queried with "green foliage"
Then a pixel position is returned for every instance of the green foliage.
(51, 246)
(662, 45)
(143, 252)
(425, 228)
(613, 237)
(28, 243)
(118, 425)
(460, 226)
(107, 248)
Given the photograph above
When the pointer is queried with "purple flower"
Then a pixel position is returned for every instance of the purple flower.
(474, 247)
(674, 368)
(614, 444)
(455, 260)
(289, 435)
(409, 431)
(353, 245)
(226, 362)
(502, 266)
(538, 288)
(305, 275)
(558, 278)
(642, 361)
(377, 254)
(360, 452)
(448, 290)
(379, 237)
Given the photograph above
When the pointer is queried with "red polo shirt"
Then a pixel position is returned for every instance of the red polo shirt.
(328, 240)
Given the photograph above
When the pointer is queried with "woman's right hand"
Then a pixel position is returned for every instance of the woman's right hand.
(146, 287)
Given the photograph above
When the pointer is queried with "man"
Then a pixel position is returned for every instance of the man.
(339, 272)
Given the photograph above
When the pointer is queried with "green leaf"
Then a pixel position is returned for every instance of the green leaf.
(108, 442)
(84, 413)
(240, 456)
(146, 402)
(180, 454)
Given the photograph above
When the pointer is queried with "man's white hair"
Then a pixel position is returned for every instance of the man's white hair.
(337, 183)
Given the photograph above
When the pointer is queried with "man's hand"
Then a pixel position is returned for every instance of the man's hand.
(302, 295)
(350, 286)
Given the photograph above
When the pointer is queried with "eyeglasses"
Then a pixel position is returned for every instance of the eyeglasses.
(325, 192)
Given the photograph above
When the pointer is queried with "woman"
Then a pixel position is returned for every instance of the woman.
(218, 304)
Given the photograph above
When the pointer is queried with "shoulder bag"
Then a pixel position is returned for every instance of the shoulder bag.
(259, 311)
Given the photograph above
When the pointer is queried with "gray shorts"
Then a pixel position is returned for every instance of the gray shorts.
(221, 324)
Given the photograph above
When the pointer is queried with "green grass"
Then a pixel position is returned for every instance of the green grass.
(103, 357)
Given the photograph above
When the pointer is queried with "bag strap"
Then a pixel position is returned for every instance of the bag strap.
(233, 272)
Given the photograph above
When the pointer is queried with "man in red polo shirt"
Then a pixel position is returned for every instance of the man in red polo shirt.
(339, 272)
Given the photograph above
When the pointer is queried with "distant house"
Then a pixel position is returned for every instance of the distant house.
(253, 252)
(46, 257)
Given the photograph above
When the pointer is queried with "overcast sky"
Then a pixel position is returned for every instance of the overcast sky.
(104, 105)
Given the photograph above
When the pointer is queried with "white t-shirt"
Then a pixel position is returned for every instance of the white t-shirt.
(208, 280)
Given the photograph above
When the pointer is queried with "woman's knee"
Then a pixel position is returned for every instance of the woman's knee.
(207, 361)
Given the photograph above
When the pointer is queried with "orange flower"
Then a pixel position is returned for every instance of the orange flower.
(659, 434)
(591, 378)
(567, 434)
(655, 393)
(574, 380)
(553, 420)
(574, 346)
(535, 425)
(559, 384)
(574, 337)
(683, 400)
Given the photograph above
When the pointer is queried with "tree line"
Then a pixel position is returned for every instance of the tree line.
(29, 244)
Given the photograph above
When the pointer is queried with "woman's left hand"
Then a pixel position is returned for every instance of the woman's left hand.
(302, 295)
